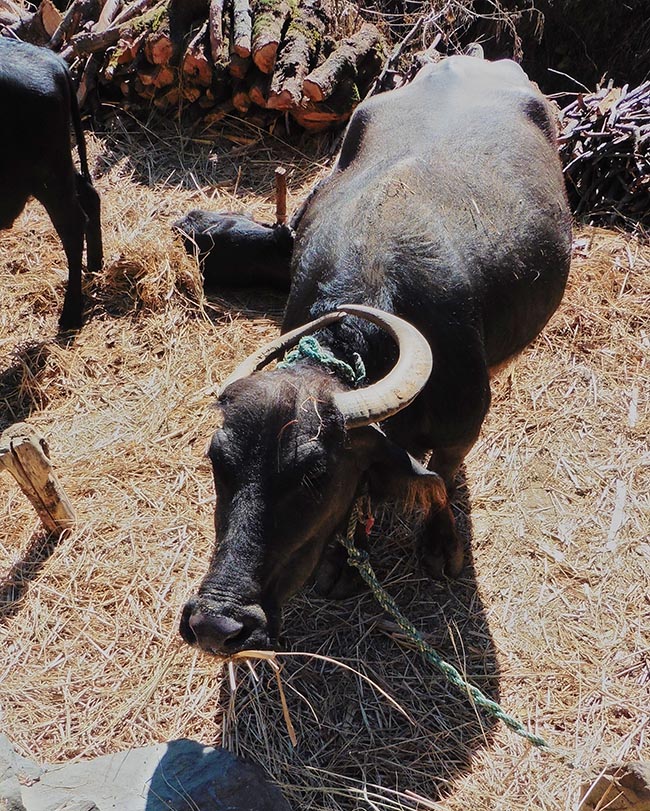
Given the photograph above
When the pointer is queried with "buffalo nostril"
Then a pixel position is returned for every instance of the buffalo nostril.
(215, 632)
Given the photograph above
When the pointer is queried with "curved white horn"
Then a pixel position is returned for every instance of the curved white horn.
(401, 385)
(277, 347)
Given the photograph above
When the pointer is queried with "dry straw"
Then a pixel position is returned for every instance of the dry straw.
(551, 615)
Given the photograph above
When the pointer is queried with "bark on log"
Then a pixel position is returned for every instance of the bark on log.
(134, 10)
(108, 14)
(242, 26)
(215, 24)
(269, 17)
(25, 455)
(344, 63)
(300, 49)
(87, 43)
(196, 68)
(8, 19)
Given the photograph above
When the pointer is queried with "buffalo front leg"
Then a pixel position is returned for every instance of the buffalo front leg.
(335, 578)
(440, 547)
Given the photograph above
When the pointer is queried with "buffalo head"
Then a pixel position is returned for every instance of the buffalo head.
(294, 447)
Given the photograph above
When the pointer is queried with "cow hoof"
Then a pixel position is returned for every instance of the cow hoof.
(335, 578)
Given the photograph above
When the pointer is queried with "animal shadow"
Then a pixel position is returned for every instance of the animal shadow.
(350, 738)
(14, 586)
(20, 392)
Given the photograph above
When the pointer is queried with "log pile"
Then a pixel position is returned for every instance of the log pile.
(605, 149)
(263, 57)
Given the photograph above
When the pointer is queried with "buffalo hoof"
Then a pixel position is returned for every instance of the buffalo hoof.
(442, 555)
(335, 578)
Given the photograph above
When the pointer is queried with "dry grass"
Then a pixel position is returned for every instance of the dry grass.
(552, 615)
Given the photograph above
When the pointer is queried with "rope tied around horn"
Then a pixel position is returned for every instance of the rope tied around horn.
(310, 347)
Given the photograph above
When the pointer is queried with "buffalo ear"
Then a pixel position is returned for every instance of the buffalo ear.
(395, 475)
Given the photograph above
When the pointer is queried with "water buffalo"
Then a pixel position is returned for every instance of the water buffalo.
(435, 251)
(38, 103)
(234, 250)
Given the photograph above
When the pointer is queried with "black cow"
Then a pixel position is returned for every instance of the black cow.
(445, 217)
(38, 101)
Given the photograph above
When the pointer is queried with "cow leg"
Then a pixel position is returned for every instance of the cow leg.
(69, 221)
(91, 205)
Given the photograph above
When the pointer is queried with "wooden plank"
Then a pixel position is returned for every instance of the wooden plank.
(24, 454)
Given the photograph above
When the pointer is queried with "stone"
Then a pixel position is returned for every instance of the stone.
(14, 770)
(182, 775)
(621, 787)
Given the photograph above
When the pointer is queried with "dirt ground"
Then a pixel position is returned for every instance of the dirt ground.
(551, 615)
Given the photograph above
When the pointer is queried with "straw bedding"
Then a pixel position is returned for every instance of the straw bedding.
(551, 615)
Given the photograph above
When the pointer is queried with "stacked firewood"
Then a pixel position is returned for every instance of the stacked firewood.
(279, 56)
(605, 148)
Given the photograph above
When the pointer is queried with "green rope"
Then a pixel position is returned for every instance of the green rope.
(309, 347)
(359, 559)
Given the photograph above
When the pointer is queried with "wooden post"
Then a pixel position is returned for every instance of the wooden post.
(280, 195)
(25, 455)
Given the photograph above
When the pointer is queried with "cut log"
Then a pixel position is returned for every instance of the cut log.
(25, 455)
(269, 17)
(240, 98)
(157, 76)
(87, 43)
(190, 93)
(315, 117)
(344, 63)
(196, 68)
(168, 99)
(242, 27)
(239, 66)
(91, 42)
(67, 26)
(124, 53)
(259, 84)
(50, 16)
(299, 54)
(143, 90)
(90, 73)
(215, 23)
(158, 47)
